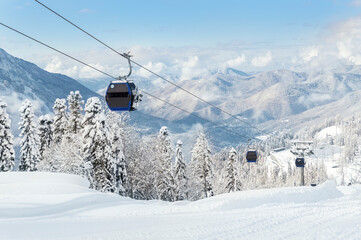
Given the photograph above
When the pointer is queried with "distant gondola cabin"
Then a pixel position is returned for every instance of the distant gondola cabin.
(300, 162)
(251, 156)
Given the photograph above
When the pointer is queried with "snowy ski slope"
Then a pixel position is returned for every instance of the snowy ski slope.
(39, 205)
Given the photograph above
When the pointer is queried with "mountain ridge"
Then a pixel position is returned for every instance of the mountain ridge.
(260, 98)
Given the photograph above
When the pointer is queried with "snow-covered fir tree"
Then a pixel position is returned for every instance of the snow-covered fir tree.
(75, 103)
(120, 171)
(180, 176)
(202, 167)
(45, 126)
(245, 175)
(7, 154)
(97, 148)
(219, 166)
(139, 152)
(165, 184)
(29, 149)
(232, 181)
(60, 120)
(65, 157)
(142, 169)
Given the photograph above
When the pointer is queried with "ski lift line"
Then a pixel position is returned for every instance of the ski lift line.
(151, 95)
(123, 55)
(150, 71)
(46, 45)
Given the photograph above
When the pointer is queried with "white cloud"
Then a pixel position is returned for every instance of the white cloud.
(236, 62)
(314, 99)
(87, 72)
(178, 63)
(262, 61)
(191, 62)
(343, 50)
(191, 68)
(356, 3)
(347, 35)
(72, 71)
(347, 30)
(54, 65)
(75, 70)
(156, 67)
(341, 43)
(309, 52)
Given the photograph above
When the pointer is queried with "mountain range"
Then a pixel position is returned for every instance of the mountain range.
(272, 100)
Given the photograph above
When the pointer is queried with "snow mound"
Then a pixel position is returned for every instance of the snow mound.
(325, 133)
(34, 183)
(276, 196)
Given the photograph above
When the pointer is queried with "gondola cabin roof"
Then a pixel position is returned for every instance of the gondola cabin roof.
(119, 96)
(251, 156)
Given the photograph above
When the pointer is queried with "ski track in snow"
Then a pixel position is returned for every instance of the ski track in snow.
(60, 206)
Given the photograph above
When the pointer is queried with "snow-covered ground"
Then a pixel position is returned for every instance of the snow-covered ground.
(59, 206)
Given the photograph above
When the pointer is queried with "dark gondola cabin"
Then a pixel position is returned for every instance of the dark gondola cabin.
(300, 162)
(251, 156)
(120, 96)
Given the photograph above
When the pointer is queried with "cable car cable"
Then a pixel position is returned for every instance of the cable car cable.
(151, 95)
(159, 76)
(56, 50)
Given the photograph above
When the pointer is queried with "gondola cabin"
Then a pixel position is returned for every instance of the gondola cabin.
(251, 156)
(300, 162)
(120, 96)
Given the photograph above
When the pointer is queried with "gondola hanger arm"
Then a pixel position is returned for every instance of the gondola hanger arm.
(127, 56)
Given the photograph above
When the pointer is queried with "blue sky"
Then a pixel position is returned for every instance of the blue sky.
(275, 30)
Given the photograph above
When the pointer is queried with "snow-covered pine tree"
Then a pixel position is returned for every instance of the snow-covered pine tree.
(68, 149)
(142, 169)
(165, 184)
(75, 103)
(202, 166)
(7, 154)
(29, 149)
(99, 162)
(45, 133)
(60, 120)
(180, 173)
(65, 156)
(219, 161)
(244, 171)
(120, 171)
(232, 181)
